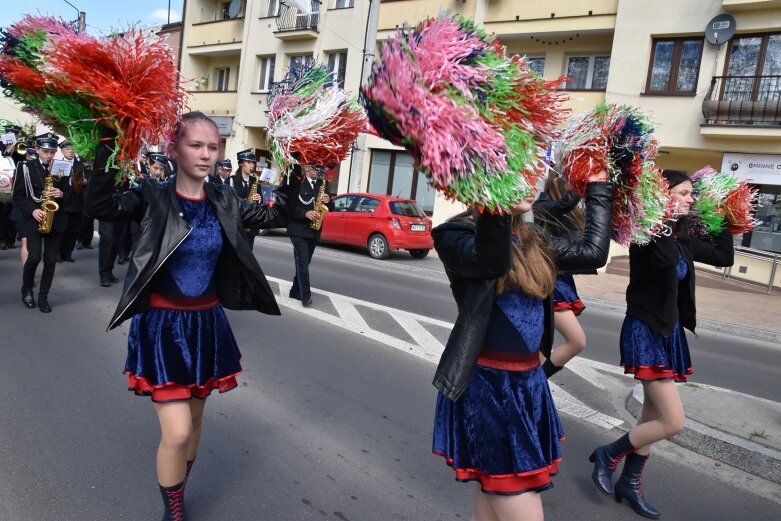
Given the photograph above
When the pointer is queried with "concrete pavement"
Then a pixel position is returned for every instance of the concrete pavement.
(735, 428)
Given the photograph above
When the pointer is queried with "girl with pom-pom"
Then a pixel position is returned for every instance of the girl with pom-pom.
(191, 260)
(558, 209)
(659, 305)
(502, 273)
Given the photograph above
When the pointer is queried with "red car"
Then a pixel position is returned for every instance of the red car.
(380, 223)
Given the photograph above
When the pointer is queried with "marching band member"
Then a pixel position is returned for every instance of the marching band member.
(190, 261)
(242, 182)
(7, 225)
(303, 237)
(29, 182)
(223, 173)
(157, 166)
(75, 208)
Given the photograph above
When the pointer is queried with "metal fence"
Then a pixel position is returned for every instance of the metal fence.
(291, 19)
(773, 258)
(743, 100)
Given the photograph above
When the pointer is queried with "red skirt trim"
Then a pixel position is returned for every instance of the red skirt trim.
(644, 372)
(171, 391)
(156, 300)
(576, 306)
(507, 483)
(508, 361)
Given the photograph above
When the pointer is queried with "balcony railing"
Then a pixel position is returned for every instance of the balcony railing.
(291, 19)
(743, 100)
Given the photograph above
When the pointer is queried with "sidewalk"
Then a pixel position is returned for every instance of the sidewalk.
(737, 429)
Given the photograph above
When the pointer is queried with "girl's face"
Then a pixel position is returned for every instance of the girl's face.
(197, 150)
(247, 167)
(682, 196)
(524, 205)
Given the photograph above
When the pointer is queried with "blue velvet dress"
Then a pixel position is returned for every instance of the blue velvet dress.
(504, 430)
(648, 354)
(565, 295)
(182, 346)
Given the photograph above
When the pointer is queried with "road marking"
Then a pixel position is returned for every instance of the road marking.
(429, 348)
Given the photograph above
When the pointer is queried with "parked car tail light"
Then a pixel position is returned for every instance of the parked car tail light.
(395, 223)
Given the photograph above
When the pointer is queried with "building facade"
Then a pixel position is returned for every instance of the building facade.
(711, 104)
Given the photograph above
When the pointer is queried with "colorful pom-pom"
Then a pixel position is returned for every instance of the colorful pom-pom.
(311, 119)
(476, 121)
(722, 199)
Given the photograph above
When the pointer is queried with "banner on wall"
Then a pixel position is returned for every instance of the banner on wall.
(755, 168)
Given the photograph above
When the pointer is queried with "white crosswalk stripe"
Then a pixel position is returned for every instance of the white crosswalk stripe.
(429, 348)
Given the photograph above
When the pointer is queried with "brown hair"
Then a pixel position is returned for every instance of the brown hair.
(77, 177)
(556, 187)
(533, 270)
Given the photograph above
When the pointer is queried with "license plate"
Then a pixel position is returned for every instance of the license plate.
(417, 227)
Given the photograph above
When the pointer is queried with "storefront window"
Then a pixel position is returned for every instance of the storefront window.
(767, 234)
(393, 173)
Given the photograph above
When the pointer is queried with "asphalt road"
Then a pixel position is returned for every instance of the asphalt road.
(325, 424)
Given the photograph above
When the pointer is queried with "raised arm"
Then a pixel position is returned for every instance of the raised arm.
(590, 251)
(549, 209)
(720, 253)
(482, 251)
(100, 201)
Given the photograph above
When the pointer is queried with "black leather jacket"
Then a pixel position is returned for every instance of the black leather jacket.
(239, 280)
(475, 256)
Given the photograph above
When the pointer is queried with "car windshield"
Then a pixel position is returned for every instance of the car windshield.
(408, 208)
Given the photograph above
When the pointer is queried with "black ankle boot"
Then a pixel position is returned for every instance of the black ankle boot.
(630, 486)
(173, 500)
(605, 459)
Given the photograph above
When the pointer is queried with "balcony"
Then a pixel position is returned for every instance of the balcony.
(292, 24)
(743, 101)
(210, 102)
(222, 37)
(748, 5)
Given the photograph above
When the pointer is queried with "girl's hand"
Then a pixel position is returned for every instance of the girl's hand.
(598, 177)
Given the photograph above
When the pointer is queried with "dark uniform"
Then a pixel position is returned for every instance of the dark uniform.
(7, 225)
(74, 209)
(242, 188)
(303, 237)
(216, 178)
(29, 182)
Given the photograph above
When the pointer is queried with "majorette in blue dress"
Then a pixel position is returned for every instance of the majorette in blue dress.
(183, 346)
(504, 430)
(565, 295)
(648, 354)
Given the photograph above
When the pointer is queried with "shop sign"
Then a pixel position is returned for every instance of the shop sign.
(756, 168)
(224, 124)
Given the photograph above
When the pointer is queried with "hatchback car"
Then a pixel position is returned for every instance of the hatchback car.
(380, 223)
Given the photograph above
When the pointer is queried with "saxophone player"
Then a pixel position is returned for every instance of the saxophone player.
(242, 182)
(299, 229)
(29, 181)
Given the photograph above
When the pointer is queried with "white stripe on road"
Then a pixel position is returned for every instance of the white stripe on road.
(427, 347)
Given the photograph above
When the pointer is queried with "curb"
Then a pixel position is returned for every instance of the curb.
(737, 452)
(710, 325)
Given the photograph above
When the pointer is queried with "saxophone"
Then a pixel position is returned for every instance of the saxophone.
(48, 206)
(320, 208)
(253, 189)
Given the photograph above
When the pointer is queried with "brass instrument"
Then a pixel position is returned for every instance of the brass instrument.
(48, 206)
(320, 207)
(253, 189)
(21, 148)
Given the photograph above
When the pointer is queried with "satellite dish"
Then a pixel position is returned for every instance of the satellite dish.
(233, 8)
(720, 29)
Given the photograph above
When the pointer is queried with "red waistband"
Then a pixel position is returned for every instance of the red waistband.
(508, 361)
(156, 300)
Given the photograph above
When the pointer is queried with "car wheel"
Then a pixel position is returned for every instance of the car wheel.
(419, 254)
(378, 246)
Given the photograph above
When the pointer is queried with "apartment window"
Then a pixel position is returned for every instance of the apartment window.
(587, 72)
(273, 8)
(344, 4)
(392, 173)
(753, 68)
(223, 77)
(267, 65)
(675, 66)
(337, 66)
(537, 65)
(300, 60)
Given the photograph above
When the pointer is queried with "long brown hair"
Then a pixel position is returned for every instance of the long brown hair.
(533, 270)
(77, 177)
(556, 187)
